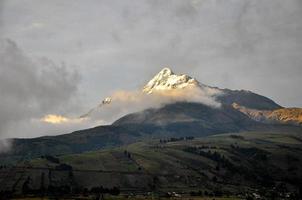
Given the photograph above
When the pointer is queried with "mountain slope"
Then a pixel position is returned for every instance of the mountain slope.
(281, 116)
(179, 119)
(190, 119)
(77, 142)
(247, 99)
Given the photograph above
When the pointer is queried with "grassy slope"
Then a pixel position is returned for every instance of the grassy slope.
(256, 160)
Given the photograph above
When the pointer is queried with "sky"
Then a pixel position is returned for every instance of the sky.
(65, 56)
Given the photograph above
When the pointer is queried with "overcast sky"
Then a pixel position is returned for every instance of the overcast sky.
(92, 48)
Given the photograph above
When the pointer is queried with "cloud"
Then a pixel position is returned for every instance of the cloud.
(54, 119)
(30, 88)
(59, 119)
(125, 102)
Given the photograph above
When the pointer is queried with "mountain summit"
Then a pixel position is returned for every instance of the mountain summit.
(167, 80)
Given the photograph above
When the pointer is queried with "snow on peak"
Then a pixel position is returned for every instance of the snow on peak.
(167, 84)
(165, 72)
(167, 80)
(107, 100)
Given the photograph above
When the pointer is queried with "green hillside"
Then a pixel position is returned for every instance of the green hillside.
(229, 164)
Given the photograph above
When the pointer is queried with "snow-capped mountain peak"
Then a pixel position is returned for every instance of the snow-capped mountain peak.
(167, 80)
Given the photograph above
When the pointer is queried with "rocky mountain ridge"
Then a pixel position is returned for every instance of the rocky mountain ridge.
(280, 116)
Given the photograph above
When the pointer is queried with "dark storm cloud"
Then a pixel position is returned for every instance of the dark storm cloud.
(29, 88)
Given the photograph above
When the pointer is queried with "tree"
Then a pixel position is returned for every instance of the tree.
(25, 187)
(42, 184)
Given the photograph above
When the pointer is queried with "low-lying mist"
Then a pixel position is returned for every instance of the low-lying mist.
(125, 102)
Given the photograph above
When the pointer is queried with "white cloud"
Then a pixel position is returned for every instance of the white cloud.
(59, 119)
(125, 102)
